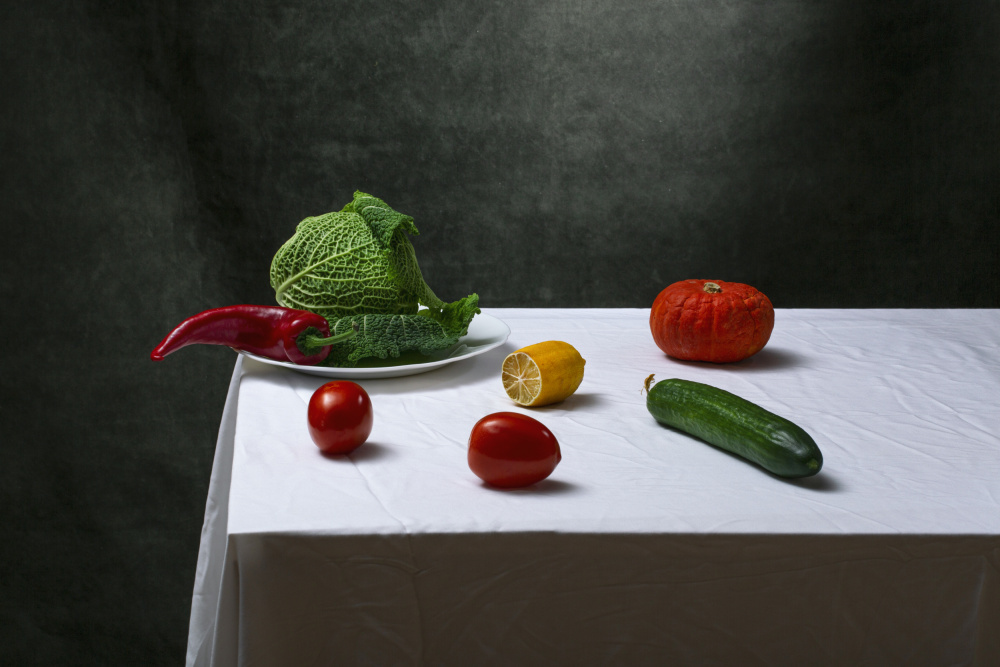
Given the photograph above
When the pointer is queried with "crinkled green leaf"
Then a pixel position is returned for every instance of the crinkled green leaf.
(357, 267)
(385, 336)
(358, 260)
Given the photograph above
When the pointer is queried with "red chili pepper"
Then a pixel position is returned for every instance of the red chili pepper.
(283, 334)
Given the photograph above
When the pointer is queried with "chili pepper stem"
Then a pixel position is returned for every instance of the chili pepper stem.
(308, 342)
(314, 340)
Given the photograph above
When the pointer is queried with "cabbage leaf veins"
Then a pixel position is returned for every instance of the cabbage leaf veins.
(357, 268)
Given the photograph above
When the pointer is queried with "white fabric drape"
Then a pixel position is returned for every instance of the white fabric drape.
(645, 546)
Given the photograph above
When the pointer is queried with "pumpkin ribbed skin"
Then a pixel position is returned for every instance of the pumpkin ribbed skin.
(711, 320)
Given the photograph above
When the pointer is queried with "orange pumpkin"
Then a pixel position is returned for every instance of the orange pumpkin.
(711, 320)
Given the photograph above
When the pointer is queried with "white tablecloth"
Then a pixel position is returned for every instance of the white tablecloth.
(645, 546)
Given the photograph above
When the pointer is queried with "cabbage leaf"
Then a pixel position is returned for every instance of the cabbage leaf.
(357, 266)
(388, 336)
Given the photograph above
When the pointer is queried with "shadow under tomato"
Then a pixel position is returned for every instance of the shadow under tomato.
(369, 451)
(546, 487)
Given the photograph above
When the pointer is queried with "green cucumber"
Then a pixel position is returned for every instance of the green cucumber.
(735, 425)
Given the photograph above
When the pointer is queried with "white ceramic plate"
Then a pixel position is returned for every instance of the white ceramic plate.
(485, 333)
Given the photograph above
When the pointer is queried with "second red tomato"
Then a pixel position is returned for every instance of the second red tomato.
(510, 450)
(340, 417)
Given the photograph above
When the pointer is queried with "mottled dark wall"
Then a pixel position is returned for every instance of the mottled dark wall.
(577, 153)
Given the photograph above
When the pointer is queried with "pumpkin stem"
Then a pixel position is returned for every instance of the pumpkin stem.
(711, 288)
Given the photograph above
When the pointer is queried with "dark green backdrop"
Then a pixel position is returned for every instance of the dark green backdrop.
(553, 153)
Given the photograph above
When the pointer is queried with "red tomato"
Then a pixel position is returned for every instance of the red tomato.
(509, 450)
(340, 417)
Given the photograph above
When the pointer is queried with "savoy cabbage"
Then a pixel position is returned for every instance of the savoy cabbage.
(357, 268)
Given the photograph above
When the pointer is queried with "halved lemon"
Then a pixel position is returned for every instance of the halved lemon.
(542, 373)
